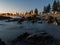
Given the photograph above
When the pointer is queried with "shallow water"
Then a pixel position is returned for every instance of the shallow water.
(10, 30)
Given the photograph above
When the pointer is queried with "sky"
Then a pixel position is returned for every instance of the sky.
(23, 5)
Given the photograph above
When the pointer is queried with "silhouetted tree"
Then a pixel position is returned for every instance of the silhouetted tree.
(31, 12)
(36, 11)
(55, 6)
(58, 5)
(46, 9)
(26, 13)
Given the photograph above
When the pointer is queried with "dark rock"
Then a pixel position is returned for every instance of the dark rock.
(4, 18)
(49, 19)
(2, 42)
(58, 22)
(13, 20)
(21, 20)
(21, 37)
(39, 38)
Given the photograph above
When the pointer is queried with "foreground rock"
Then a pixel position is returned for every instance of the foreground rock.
(21, 37)
(40, 38)
(2, 42)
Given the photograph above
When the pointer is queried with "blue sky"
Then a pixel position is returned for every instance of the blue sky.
(22, 5)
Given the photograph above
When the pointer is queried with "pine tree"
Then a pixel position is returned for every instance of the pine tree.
(55, 6)
(48, 8)
(58, 5)
(36, 11)
(44, 10)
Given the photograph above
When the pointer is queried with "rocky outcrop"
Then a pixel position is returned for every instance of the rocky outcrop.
(49, 19)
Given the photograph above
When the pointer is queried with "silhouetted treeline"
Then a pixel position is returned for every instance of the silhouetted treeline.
(55, 7)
